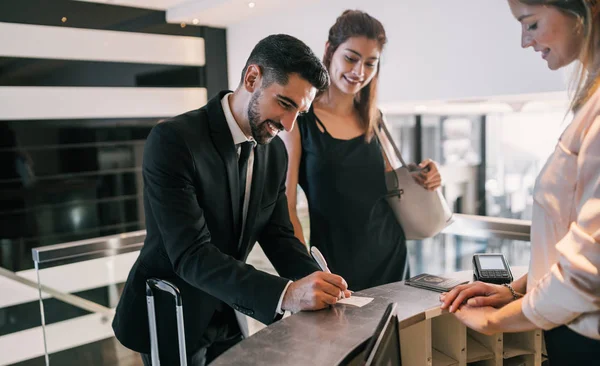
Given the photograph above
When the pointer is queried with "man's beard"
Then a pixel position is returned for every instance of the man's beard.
(260, 130)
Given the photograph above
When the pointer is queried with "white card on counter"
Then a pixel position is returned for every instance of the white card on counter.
(356, 301)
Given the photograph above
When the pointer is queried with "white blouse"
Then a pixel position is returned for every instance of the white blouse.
(563, 284)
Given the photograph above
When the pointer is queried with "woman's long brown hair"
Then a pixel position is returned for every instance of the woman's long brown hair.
(355, 23)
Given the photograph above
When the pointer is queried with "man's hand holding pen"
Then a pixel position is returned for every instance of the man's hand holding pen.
(315, 291)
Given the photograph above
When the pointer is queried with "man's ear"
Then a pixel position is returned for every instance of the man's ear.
(252, 78)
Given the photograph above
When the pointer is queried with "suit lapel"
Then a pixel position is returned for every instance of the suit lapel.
(256, 190)
(221, 136)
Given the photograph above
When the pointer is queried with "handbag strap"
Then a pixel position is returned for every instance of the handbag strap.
(388, 138)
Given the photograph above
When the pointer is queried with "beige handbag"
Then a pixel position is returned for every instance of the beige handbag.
(421, 213)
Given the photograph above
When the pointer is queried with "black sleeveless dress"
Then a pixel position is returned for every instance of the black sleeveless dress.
(350, 222)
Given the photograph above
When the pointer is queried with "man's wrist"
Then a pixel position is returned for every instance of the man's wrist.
(280, 309)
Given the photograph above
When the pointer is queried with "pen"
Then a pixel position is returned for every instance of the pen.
(316, 254)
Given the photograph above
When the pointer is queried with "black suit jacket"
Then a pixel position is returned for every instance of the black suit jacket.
(191, 190)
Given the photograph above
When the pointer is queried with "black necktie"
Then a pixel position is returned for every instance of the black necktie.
(245, 148)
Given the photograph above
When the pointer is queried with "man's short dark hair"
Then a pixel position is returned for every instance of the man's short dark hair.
(279, 55)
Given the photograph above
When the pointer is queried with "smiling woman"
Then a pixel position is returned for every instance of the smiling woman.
(563, 31)
(340, 166)
(562, 287)
(549, 31)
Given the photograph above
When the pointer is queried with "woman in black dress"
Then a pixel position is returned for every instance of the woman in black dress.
(338, 162)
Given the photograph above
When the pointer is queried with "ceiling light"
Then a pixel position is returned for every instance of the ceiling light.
(251, 5)
(182, 25)
(64, 19)
(195, 21)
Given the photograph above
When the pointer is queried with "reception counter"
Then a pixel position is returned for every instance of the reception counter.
(428, 335)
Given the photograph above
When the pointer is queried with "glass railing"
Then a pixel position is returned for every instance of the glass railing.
(453, 249)
(449, 253)
(79, 283)
(79, 287)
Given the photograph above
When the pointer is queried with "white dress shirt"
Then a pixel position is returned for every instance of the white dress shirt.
(238, 138)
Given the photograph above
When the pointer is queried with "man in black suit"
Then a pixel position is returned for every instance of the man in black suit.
(214, 184)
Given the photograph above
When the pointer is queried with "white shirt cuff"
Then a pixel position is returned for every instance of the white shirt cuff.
(541, 305)
(569, 289)
(279, 309)
(530, 310)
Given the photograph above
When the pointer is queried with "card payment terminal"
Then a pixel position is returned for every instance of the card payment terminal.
(491, 268)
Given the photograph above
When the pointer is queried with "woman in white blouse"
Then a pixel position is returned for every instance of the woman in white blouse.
(562, 289)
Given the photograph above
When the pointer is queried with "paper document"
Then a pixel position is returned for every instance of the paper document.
(356, 301)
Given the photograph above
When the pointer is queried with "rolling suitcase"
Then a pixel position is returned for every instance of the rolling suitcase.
(156, 284)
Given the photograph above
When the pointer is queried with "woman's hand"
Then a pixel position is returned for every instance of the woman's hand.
(476, 294)
(488, 320)
(478, 318)
(426, 174)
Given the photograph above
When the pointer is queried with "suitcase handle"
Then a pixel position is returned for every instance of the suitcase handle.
(165, 286)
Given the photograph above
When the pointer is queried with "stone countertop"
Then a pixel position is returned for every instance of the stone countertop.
(326, 337)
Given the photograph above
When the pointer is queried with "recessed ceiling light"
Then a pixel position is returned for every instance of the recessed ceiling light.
(251, 5)
(182, 25)
(195, 21)
(64, 19)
